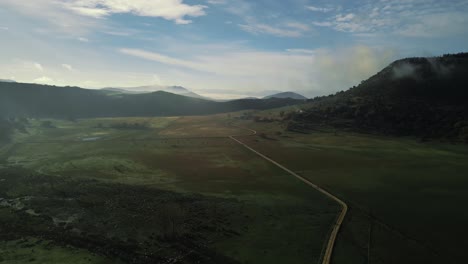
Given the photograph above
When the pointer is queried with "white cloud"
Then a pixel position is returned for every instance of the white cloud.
(241, 63)
(239, 8)
(436, 25)
(82, 39)
(174, 10)
(306, 51)
(415, 18)
(119, 33)
(351, 27)
(345, 18)
(157, 80)
(289, 29)
(256, 21)
(319, 9)
(54, 14)
(323, 24)
(298, 26)
(216, 2)
(79, 17)
(67, 67)
(44, 80)
(86, 11)
(38, 66)
(162, 58)
(4, 28)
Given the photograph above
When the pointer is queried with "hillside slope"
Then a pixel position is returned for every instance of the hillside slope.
(153, 88)
(422, 97)
(291, 95)
(32, 100)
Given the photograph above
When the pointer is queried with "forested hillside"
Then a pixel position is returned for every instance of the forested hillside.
(32, 100)
(423, 97)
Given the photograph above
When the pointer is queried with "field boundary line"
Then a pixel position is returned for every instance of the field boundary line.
(344, 207)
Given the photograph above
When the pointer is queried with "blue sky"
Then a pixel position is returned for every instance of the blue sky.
(222, 48)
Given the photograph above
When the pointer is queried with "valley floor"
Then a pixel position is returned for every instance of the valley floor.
(406, 198)
(179, 190)
(153, 190)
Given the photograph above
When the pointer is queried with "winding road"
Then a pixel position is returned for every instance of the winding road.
(344, 207)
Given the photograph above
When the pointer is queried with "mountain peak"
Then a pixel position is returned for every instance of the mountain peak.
(284, 95)
(179, 90)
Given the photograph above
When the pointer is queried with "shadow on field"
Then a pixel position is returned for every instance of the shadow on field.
(131, 223)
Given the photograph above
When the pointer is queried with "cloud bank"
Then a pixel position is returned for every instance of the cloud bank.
(57, 11)
(174, 10)
(313, 72)
(415, 18)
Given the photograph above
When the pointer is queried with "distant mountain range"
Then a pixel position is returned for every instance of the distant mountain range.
(154, 88)
(33, 100)
(422, 97)
(291, 95)
(186, 92)
(6, 80)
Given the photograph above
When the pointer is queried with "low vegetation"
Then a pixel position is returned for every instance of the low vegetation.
(177, 191)
(404, 195)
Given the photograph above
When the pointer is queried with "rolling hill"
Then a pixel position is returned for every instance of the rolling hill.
(422, 97)
(291, 95)
(33, 100)
(154, 88)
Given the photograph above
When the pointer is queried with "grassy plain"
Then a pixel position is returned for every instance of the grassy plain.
(406, 198)
(34, 251)
(176, 189)
(153, 190)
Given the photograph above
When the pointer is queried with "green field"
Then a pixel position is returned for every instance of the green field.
(152, 190)
(406, 198)
(178, 190)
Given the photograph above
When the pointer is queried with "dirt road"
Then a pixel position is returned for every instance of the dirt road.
(344, 207)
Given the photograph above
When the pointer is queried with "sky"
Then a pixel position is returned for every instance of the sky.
(222, 48)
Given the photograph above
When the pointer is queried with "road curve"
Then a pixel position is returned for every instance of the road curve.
(344, 207)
